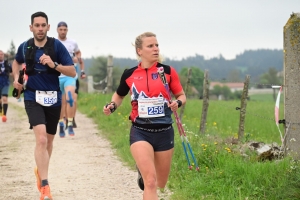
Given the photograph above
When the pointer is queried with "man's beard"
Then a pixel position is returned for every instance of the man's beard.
(40, 39)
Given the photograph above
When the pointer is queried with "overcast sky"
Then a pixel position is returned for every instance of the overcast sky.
(183, 27)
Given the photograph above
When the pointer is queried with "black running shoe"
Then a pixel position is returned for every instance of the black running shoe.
(140, 180)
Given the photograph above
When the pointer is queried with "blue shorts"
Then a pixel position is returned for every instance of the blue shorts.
(66, 81)
(160, 139)
(4, 90)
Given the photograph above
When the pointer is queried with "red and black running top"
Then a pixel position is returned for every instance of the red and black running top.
(146, 83)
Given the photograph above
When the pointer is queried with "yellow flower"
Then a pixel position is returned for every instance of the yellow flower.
(215, 123)
(215, 143)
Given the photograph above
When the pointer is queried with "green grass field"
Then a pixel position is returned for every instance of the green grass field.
(224, 173)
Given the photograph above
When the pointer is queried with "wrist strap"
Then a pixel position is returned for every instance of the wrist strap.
(114, 108)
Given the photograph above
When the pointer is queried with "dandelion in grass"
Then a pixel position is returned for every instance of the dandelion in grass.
(215, 123)
(119, 113)
(215, 143)
(228, 150)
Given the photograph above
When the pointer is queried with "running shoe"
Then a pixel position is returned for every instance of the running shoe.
(4, 118)
(140, 180)
(61, 130)
(38, 180)
(70, 130)
(45, 193)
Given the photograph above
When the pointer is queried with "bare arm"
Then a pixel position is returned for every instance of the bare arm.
(179, 96)
(68, 70)
(80, 60)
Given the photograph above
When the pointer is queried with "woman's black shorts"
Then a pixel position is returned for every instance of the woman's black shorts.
(160, 139)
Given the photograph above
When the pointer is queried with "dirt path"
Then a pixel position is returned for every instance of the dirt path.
(82, 167)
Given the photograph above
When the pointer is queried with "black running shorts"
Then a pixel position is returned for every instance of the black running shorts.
(77, 86)
(161, 140)
(38, 114)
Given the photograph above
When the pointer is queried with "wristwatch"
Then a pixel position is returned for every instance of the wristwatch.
(55, 65)
(179, 103)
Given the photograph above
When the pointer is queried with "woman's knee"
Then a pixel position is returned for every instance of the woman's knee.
(150, 182)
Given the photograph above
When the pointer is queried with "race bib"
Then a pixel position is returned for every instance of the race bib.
(46, 98)
(151, 107)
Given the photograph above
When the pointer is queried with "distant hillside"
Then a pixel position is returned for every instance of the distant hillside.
(250, 62)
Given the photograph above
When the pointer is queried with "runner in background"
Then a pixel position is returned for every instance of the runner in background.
(81, 74)
(68, 84)
(5, 71)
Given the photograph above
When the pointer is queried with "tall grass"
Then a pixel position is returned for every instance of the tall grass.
(225, 172)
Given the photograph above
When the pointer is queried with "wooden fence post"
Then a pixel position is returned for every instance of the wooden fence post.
(205, 103)
(243, 109)
(109, 74)
(186, 91)
(90, 84)
(291, 48)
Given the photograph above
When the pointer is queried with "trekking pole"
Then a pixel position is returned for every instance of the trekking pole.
(178, 122)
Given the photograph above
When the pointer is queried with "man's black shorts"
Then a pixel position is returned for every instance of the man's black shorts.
(77, 86)
(38, 114)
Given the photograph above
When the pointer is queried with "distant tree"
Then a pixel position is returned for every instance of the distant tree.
(196, 78)
(222, 90)
(11, 52)
(217, 90)
(98, 68)
(234, 76)
(271, 78)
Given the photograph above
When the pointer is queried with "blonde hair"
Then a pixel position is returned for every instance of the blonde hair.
(139, 42)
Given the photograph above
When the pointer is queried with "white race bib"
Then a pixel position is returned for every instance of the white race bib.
(46, 98)
(151, 107)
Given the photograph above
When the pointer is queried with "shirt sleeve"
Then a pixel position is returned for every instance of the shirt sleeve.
(123, 88)
(20, 53)
(62, 55)
(175, 84)
(76, 48)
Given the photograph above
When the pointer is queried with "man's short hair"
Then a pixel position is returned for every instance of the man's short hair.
(39, 14)
(62, 24)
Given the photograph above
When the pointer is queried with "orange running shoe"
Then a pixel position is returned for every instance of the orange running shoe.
(38, 180)
(4, 118)
(45, 193)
